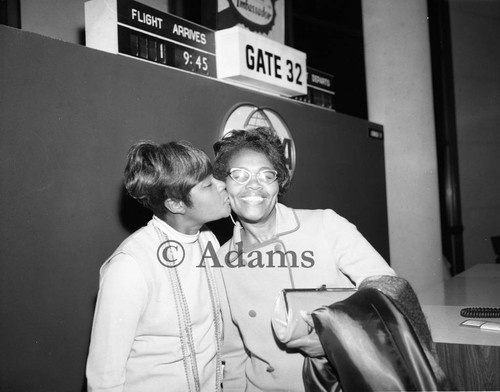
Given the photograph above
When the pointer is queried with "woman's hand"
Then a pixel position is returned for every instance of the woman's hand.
(308, 344)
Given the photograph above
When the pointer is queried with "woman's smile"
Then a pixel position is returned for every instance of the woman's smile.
(252, 201)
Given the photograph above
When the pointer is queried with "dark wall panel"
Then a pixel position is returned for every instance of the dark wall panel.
(68, 116)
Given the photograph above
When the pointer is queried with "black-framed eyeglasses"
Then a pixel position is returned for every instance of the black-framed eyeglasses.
(243, 176)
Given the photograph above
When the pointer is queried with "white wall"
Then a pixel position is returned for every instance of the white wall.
(63, 19)
(399, 86)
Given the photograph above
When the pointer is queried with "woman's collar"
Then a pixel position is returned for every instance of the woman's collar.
(287, 223)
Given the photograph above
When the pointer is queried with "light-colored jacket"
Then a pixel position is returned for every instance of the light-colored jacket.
(311, 248)
(135, 343)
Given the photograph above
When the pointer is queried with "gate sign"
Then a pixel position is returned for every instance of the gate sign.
(253, 60)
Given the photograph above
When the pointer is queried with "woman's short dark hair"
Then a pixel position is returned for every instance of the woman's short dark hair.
(261, 139)
(156, 172)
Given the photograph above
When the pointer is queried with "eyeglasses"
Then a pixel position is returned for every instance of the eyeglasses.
(242, 176)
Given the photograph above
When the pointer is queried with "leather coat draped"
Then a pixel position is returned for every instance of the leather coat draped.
(375, 340)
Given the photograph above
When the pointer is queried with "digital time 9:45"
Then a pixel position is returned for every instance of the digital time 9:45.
(192, 61)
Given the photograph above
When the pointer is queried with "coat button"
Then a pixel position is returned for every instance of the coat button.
(270, 369)
(252, 313)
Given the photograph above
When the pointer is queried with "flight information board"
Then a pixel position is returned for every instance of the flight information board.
(134, 29)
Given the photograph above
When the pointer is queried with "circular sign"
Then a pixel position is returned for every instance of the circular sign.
(258, 15)
(245, 116)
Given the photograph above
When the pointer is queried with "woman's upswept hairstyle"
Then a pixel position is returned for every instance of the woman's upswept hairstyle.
(261, 139)
(156, 172)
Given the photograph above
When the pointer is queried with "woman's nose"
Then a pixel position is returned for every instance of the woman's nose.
(253, 182)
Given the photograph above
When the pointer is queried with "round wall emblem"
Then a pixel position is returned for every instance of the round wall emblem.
(246, 116)
(257, 15)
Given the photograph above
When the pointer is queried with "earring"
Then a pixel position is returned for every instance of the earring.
(232, 219)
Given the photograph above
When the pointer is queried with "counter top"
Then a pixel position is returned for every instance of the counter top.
(464, 290)
(481, 271)
(444, 322)
(477, 286)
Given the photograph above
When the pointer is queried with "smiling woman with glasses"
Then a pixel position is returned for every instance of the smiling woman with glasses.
(276, 247)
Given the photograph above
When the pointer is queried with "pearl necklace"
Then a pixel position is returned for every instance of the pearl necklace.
(184, 322)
